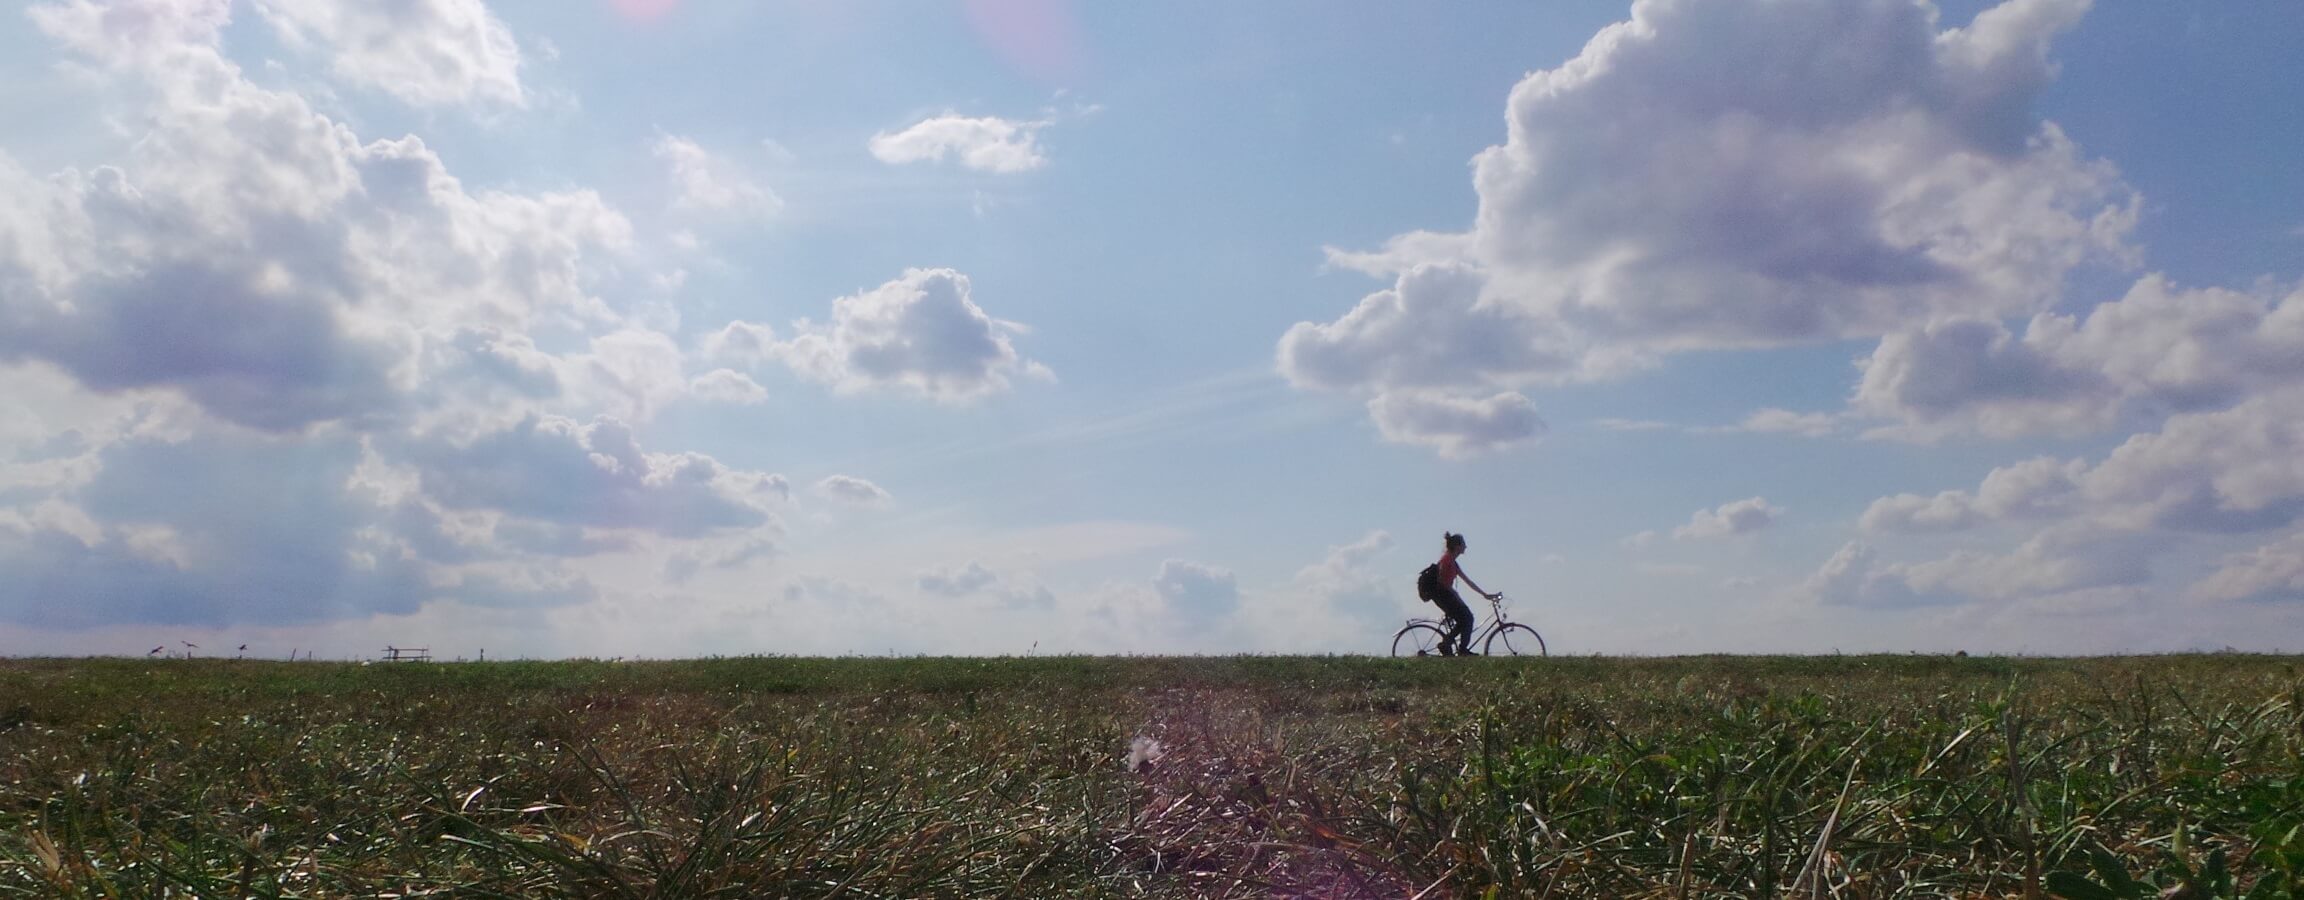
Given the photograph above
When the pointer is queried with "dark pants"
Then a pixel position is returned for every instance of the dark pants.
(1460, 616)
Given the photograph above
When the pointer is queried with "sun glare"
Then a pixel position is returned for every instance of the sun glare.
(643, 10)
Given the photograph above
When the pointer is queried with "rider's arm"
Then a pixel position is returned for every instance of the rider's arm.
(1475, 585)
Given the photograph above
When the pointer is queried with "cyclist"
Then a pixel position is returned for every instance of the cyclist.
(1452, 603)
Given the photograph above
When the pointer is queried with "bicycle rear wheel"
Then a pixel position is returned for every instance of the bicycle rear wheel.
(1515, 639)
(1418, 639)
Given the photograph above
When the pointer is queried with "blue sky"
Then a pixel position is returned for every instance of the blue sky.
(679, 327)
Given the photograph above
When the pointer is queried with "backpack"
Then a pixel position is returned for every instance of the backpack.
(1428, 583)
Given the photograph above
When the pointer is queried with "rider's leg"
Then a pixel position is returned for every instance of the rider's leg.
(1460, 622)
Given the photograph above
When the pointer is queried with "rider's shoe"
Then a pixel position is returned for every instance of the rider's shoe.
(1466, 652)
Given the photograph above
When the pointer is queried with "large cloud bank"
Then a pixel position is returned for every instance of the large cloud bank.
(266, 370)
(1710, 176)
(1746, 176)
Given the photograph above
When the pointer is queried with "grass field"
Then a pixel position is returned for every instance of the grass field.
(1275, 777)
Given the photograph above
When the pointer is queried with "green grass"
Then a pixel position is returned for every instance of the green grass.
(1281, 777)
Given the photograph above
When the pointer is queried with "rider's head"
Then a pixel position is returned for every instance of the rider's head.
(1455, 541)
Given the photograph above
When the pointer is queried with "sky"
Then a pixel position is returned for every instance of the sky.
(674, 328)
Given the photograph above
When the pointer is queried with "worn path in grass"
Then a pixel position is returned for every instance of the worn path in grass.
(1257, 777)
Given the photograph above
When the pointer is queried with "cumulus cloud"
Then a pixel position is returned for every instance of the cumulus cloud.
(556, 470)
(922, 333)
(734, 553)
(423, 52)
(740, 343)
(965, 580)
(1975, 373)
(1431, 329)
(1343, 581)
(1708, 176)
(1730, 519)
(2274, 571)
(235, 527)
(1196, 590)
(2055, 561)
(851, 489)
(2159, 349)
(704, 182)
(132, 32)
(2220, 476)
(2037, 488)
(727, 386)
(973, 579)
(264, 370)
(1456, 426)
(2228, 471)
(1727, 177)
(263, 262)
(986, 144)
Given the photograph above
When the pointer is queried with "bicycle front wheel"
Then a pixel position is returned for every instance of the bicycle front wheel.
(1418, 639)
(1515, 639)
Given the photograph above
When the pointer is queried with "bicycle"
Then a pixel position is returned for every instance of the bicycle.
(1423, 637)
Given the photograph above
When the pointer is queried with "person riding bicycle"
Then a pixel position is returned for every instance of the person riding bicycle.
(1452, 603)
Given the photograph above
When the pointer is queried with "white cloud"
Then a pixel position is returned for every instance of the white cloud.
(1783, 421)
(740, 343)
(922, 332)
(424, 52)
(2037, 488)
(967, 579)
(986, 144)
(1345, 585)
(1854, 577)
(233, 526)
(259, 259)
(851, 489)
(1457, 427)
(1712, 176)
(556, 470)
(132, 32)
(1431, 330)
(733, 552)
(727, 386)
(629, 373)
(2157, 350)
(975, 580)
(1196, 591)
(2214, 477)
(2228, 471)
(1974, 372)
(2274, 571)
(708, 183)
(2054, 562)
(1739, 517)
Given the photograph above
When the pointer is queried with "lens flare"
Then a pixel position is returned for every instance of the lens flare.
(1041, 38)
(643, 10)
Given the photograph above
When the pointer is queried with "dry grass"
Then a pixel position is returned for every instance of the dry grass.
(1277, 777)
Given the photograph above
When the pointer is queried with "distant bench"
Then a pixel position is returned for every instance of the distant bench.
(407, 654)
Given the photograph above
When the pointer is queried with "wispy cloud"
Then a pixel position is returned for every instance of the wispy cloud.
(982, 143)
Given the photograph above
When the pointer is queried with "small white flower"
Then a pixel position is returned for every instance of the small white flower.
(1143, 752)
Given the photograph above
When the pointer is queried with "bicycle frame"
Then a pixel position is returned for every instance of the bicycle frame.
(1496, 621)
(1426, 635)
